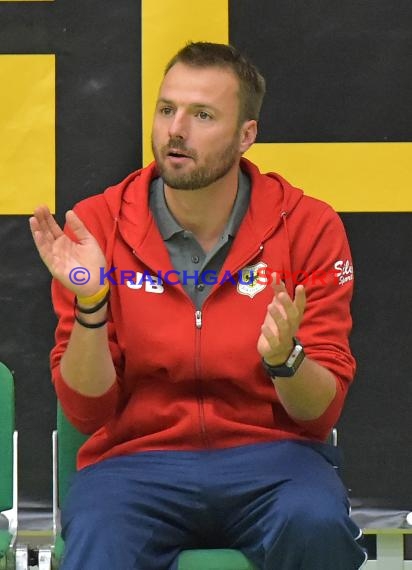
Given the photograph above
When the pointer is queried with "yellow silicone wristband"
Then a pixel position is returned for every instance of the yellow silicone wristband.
(94, 299)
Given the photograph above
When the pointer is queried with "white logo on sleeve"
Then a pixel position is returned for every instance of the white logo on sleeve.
(343, 271)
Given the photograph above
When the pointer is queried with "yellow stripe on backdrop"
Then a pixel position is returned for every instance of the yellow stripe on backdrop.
(27, 132)
(353, 177)
(167, 25)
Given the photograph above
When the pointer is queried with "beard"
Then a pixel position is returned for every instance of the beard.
(215, 167)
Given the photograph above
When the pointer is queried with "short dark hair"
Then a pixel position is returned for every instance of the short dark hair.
(252, 85)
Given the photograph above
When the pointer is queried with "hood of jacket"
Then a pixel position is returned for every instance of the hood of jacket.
(272, 203)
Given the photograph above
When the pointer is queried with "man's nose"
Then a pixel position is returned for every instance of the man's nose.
(178, 126)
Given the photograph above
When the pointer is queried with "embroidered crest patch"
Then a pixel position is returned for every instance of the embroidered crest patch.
(252, 280)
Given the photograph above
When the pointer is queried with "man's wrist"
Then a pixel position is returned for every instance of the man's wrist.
(288, 367)
(93, 303)
(280, 358)
(87, 325)
(92, 316)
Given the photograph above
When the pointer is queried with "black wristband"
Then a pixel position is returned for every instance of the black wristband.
(89, 325)
(95, 308)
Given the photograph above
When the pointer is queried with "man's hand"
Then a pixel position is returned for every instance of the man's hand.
(62, 256)
(281, 323)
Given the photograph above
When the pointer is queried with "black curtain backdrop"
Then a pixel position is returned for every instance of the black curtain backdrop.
(341, 72)
(98, 142)
(335, 72)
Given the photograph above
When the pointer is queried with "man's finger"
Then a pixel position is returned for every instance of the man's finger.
(34, 224)
(277, 283)
(53, 226)
(77, 226)
(300, 299)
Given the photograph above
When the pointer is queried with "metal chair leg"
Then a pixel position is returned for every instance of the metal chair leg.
(45, 558)
(389, 551)
(22, 557)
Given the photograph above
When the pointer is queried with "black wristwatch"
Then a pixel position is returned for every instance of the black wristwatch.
(290, 366)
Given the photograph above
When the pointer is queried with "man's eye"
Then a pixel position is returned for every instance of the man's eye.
(203, 115)
(166, 111)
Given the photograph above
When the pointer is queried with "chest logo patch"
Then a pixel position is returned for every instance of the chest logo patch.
(251, 279)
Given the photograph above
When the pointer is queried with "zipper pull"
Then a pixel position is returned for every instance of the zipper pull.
(198, 319)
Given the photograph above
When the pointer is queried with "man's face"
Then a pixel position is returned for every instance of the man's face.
(196, 136)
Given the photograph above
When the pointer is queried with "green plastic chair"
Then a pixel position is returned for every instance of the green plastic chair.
(6, 464)
(66, 442)
(12, 556)
(8, 439)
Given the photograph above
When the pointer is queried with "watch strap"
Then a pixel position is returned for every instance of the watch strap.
(288, 368)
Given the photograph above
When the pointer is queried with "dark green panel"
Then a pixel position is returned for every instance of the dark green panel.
(336, 71)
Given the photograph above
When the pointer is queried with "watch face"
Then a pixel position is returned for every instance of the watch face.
(294, 355)
(291, 365)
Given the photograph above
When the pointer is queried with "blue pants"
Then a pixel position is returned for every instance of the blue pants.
(281, 503)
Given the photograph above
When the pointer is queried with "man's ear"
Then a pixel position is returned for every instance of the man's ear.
(248, 133)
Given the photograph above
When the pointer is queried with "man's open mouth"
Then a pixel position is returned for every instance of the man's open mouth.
(178, 154)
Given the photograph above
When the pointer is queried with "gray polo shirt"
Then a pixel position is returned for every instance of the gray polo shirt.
(186, 254)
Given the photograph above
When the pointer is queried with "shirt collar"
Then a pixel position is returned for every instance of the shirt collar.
(169, 227)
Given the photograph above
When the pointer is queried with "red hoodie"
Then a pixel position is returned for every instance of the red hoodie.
(193, 380)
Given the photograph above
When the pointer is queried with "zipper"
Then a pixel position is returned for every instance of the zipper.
(198, 376)
(198, 379)
(198, 319)
(197, 366)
